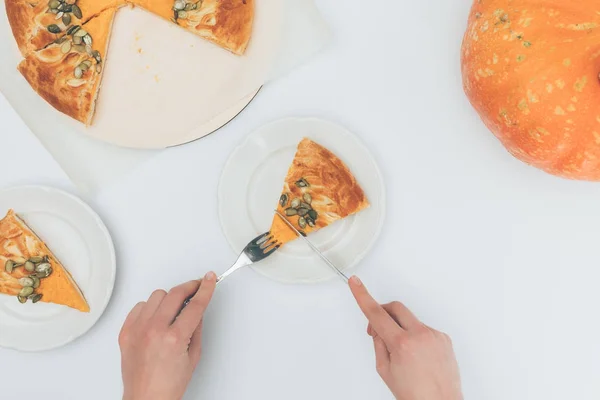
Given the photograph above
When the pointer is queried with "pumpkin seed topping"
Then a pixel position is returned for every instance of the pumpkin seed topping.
(291, 212)
(302, 222)
(283, 200)
(295, 203)
(29, 266)
(66, 47)
(53, 28)
(35, 297)
(22, 299)
(66, 19)
(26, 291)
(37, 259)
(26, 282)
(302, 183)
(36, 281)
(77, 11)
(9, 266)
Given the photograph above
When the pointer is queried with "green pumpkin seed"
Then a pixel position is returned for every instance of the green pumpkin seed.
(98, 68)
(313, 214)
(53, 4)
(77, 11)
(307, 198)
(60, 40)
(26, 282)
(195, 6)
(37, 259)
(175, 15)
(97, 56)
(305, 205)
(35, 297)
(283, 200)
(68, 8)
(78, 72)
(80, 33)
(61, 7)
(53, 29)
(29, 266)
(295, 203)
(22, 299)
(77, 40)
(189, 7)
(43, 267)
(65, 48)
(179, 5)
(310, 221)
(73, 29)
(291, 211)
(9, 266)
(181, 14)
(66, 19)
(88, 49)
(59, 15)
(26, 291)
(302, 222)
(36, 281)
(87, 39)
(78, 47)
(302, 211)
(302, 183)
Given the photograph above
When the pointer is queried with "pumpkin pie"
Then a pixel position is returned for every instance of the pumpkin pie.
(319, 189)
(29, 270)
(68, 72)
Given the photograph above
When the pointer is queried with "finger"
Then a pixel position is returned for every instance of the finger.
(152, 304)
(192, 315)
(382, 355)
(171, 305)
(195, 349)
(132, 317)
(402, 315)
(380, 320)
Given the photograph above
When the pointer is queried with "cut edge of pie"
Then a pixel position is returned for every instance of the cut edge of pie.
(319, 189)
(19, 242)
(52, 73)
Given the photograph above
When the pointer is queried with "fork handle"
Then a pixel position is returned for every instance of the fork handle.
(241, 262)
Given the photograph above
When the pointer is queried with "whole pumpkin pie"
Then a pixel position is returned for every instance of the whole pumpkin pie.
(319, 189)
(30, 272)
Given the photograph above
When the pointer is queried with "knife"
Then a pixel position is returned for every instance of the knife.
(314, 248)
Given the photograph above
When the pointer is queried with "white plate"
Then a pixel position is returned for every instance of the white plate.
(251, 184)
(79, 239)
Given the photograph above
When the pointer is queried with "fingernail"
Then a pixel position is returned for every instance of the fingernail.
(356, 280)
(210, 276)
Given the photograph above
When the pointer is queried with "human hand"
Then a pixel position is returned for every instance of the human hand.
(160, 350)
(415, 361)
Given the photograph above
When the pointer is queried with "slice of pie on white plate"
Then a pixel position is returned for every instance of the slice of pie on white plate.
(29, 271)
(319, 189)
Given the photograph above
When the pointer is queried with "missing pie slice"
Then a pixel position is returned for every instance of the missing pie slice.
(227, 23)
(37, 23)
(319, 189)
(29, 270)
(68, 73)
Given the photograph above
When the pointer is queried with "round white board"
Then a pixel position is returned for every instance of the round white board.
(79, 239)
(251, 184)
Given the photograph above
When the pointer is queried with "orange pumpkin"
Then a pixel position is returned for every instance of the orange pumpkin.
(531, 70)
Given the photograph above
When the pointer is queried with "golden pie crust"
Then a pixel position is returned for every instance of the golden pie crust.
(19, 243)
(334, 191)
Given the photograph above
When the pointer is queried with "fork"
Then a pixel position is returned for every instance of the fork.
(257, 250)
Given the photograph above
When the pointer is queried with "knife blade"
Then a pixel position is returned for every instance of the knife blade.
(314, 248)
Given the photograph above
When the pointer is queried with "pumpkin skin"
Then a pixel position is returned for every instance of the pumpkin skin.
(531, 70)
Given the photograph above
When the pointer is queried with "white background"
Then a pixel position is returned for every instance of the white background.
(499, 255)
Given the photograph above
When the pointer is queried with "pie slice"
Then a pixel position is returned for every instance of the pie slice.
(319, 189)
(68, 73)
(20, 245)
(36, 23)
(227, 23)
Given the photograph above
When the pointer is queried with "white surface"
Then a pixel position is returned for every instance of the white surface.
(143, 76)
(251, 184)
(501, 256)
(79, 239)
